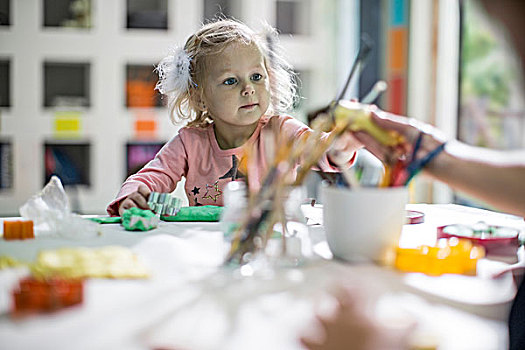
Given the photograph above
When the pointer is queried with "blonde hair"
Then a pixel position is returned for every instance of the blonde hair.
(211, 39)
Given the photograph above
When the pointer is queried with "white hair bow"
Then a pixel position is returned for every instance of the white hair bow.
(174, 72)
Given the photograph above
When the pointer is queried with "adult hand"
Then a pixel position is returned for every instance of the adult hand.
(349, 328)
(138, 199)
(408, 128)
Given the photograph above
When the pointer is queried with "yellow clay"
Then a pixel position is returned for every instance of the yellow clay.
(448, 256)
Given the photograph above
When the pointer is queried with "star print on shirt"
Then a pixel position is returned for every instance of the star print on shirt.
(196, 190)
(215, 187)
(234, 171)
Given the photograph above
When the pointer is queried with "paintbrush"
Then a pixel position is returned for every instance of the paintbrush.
(378, 88)
(364, 50)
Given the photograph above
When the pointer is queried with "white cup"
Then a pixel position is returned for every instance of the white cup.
(362, 225)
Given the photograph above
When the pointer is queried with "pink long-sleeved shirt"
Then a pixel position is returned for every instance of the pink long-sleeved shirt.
(195, 154)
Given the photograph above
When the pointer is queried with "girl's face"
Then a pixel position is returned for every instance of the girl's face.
(237, 87)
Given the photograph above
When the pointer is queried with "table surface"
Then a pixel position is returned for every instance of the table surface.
(191, 301)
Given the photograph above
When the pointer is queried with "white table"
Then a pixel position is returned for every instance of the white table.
(192, 302)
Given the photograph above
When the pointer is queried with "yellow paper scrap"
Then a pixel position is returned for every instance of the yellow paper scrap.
(67, 123)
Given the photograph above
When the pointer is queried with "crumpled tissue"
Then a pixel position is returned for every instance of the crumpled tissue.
(52, 216)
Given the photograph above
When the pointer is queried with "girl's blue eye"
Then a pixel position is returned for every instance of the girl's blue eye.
(257, 77)
(230, 81)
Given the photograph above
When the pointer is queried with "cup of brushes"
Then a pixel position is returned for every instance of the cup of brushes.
(364, 224)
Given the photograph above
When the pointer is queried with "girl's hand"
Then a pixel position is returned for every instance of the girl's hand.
(343, 149)
(138, 199)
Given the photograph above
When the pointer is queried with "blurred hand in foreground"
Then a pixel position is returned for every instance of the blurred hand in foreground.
(350, 328)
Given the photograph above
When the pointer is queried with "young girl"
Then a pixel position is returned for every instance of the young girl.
(230, 84)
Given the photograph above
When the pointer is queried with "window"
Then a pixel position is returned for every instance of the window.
(293, 17)
(5, 81)
(67, 13)
(491, 98)
(214, 8)
(140, 86)
(147, 14)
(6, 165)
(5, 13)
(66, 84)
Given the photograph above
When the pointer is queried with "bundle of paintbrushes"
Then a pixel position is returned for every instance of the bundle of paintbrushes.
(266, 205)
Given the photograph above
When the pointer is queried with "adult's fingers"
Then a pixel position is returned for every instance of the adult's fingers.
(402, 125)
(372, 145)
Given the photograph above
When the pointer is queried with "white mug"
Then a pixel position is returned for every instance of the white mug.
(361, 225)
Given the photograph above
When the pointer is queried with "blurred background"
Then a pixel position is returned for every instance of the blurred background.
(77, 84)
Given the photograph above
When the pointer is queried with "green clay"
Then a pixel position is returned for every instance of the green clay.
(202, 213)
(135, 219)
(107, 220)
